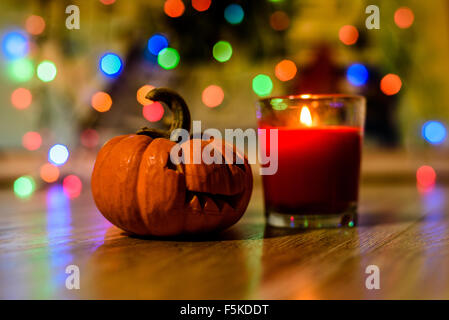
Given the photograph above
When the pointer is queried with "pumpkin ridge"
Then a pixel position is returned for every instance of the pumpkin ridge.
(139, 209)
(124, 207)
(156, 207)
(139, 160)
(97, 181)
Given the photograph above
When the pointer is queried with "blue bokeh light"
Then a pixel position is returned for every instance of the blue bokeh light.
(111, 64)
(15, 45)
(357, 74)
(434, 132)
(58, 154)
(234, 14)
(156, 43)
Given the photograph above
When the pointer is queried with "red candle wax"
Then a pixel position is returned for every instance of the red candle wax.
(318, 170)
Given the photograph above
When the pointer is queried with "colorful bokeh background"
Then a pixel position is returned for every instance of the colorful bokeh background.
(64, 92)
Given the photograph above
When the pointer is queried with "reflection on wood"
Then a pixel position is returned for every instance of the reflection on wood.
(403, 232)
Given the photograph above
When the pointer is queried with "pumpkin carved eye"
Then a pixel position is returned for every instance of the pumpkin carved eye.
(170, 165)
(160, 198)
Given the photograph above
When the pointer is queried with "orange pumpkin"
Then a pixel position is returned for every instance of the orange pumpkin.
(137, 187)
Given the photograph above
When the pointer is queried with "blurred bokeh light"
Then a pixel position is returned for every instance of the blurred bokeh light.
(49, 173)
(69, 91)
(390, 84)
(357, 74)
(24, 186)
(153, 112)
(213, 96)
(72, 186)
(111, 64)
(58, 154)
(35, 25)
(21, 98)
(15, 45)
(348, 34)
(101, 101)
(434, 132)
(404, 17)
(234, 13)
(32, 140)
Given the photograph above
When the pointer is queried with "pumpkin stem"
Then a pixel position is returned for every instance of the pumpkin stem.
(153, 133)
(176, 104)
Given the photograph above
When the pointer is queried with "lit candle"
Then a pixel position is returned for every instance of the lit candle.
(317, 181)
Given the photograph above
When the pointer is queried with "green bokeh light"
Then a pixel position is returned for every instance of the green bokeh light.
(20, 70)
(46, 71)
(24, 186)
(262, 85)
(222, 51)
(168, 58)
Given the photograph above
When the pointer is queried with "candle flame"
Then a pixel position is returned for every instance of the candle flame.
(305, 117)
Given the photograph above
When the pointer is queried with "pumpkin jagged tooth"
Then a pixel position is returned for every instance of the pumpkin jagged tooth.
(219, 202)
(195, 203)
(189, 196)
(226, 208)
(210, 205)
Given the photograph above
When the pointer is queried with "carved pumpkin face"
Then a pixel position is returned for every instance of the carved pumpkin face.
(137, 188)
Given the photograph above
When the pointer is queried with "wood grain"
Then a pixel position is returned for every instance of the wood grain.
(403, 232)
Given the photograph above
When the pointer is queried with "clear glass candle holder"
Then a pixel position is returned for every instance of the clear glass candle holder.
(319, 147)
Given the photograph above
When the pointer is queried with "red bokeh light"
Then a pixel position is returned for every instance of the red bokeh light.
(90, 138)
(426, 177)
(390, 84)
(72, 186)
(153, 112)
(279, 20)
(174, 8)
(285, 70)
(404, 17)
(35, 25)
(32, 140)
(348, 35)
(107, 2)
(21, 98)
(201, 5)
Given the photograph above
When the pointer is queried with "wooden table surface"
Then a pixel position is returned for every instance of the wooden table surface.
(403, 232)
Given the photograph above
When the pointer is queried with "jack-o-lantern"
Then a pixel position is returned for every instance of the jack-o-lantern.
(139, 189)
